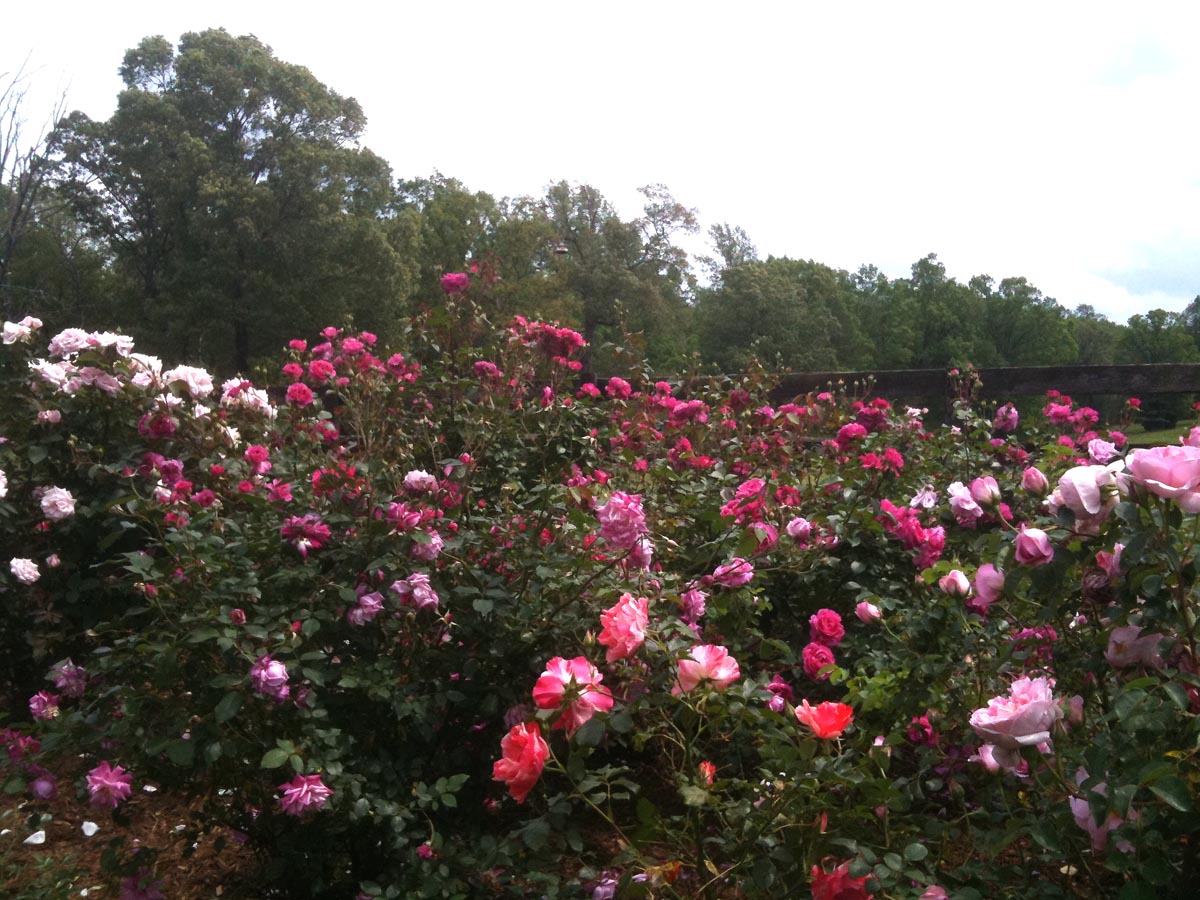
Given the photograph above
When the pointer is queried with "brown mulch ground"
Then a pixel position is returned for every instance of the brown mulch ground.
(68, 862)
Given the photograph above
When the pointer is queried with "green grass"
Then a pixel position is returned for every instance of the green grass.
(1157, 438)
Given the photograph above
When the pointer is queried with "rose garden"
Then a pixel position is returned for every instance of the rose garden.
(435, 621)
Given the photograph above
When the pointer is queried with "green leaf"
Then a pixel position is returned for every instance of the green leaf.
(915, 852)
(228, 707)
(1178, 694)
(182, 753)
(483, 606)
(273, 759)
(1174, 792)
(693, 795)
(36, 453)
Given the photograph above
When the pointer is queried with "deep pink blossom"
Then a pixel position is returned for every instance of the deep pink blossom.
(623, 627)
(622, 520)
(303, 793)
(815, 658)
(109, 785)
(825, 627)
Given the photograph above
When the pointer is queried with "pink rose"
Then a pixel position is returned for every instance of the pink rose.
(707, 663)
(989, 585)
(1006, 418)
(734, 573)
(1034, 482)
(1033, 547)
(826, 627)
(985, 491)
(577, 682)
(868, 612)
(816, 657)
(109, 785)
(57, 504)
(1090, 492)
(1021, 719)
(24, 570)
(1169, 472)
(964, 506)
(1128, 647)
(955, 583)
(622, 520)
(624, 627)
(302, 793)
(524, 754)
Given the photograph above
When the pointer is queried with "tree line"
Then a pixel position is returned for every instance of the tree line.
(228, 205)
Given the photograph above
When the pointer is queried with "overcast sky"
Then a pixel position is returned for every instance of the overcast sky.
(1055, 141)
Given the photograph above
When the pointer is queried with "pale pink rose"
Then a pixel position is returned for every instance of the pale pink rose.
(578, 683)
(57, 504)
(934, 892)
(367, 608)
(1075, 710)
(1169, 472)
(734, 573)
(825, 627)
(418, 481)
(622, 520)
(24, 570)
(1101, 452)
(985, 491)
(49, 416)
(1128, 647)
(965, 508)
(640, 555)
(1081, 811)
(624, 627)
(1090, 492)
(1021, 719)
(1110, 562)
(1034, 482)
(708, 663)
(1033, 547)
(955, 583)
(1193, 437)
(989, 585)
(868, 612)
(800, 529)
(415, 590)
(69, 340)
(429, 550)
(199, 383)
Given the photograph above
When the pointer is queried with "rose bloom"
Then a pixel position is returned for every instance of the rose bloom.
(1006, 418)
(578, 682)
(624, 627)
(24, 570)
(43, 705)
(270, 677)
(734, 573)
(415, 590)
(622, 520)
(707, 663)
(367, 608)
(618, 388)
(299, 394)
(1128, 647)
(1034, 482)
(109, 785)
(985, 491)
(816, 657)
(57, 504)
(70, 678)
(524, 754)
(838, 885)
(868, 612)
(1090, 492)
(419, 481)
(964, 506)
(989, 585)
(1033, 547)
(1169, 472)
(197, 381)
(302, 793)
(827, 720)
(826, 628)
(955, 583)
(1021, 719)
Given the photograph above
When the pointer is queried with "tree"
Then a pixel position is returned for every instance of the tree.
(625, 274)
(238, 206)
(1024, 327)
(24, 168)
(733, 247)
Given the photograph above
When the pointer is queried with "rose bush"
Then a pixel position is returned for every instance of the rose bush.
(445, 624)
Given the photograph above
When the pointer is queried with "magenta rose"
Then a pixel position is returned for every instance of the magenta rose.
(1170, 472)
(816, 657)
(826, 627)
